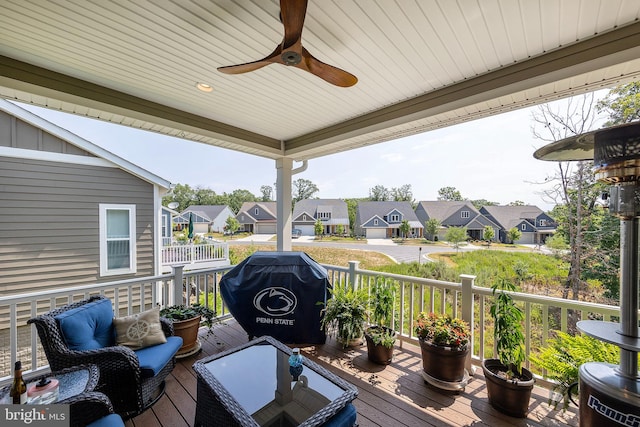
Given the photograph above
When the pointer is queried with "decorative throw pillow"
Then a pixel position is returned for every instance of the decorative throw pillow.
(139, 330)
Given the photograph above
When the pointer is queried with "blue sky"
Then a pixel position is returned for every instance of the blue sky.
(490, 159)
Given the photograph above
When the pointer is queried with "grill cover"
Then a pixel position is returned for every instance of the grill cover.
(276, 294)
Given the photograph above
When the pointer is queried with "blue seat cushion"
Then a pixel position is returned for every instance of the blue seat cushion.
(88, 327)
(153, 359)
(111, 420)
(347, 417)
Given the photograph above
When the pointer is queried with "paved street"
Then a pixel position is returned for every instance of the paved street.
(400, 253)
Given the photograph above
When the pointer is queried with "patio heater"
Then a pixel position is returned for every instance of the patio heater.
(610, 394)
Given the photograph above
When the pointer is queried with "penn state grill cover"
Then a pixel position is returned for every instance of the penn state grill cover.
(276, 294)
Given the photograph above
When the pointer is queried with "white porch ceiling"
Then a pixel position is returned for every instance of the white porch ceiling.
(421, 65)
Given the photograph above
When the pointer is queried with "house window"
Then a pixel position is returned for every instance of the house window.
(395, 218)
(543, 222)
(304, 217)
(256, 211)
(375, 222)
(117, 239)
(464, 214)
(523, 227)
(165, 227)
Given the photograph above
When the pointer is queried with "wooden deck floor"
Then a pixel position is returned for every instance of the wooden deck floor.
(393, 395)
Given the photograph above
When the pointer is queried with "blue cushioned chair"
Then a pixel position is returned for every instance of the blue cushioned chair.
(83, 333)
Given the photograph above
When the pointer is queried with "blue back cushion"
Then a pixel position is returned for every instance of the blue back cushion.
(89, 326)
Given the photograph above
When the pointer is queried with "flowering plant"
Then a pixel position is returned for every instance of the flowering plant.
(442, 329)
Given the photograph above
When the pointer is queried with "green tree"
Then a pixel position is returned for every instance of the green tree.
(236, 198)
(232, 224)
(622, 104)
(303, 189)
(318, 228)
(575, 191)
(340, 229)
(402, 194)
(479, 203)
(513, 235)
(183, 194)
(456, 235)
(516, 203)
(488, 234)
(404, 228)
(557, 244)
(431, 227)
(204, 196)
(267, 193)
(449, 193)
(379, 193)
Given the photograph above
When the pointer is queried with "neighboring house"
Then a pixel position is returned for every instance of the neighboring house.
(217, 215)
(258, 217)
(167, 224)
(535, 225)
(72, 213)
(455, 214)
(381, 220)
(331, 212)
(200, 221)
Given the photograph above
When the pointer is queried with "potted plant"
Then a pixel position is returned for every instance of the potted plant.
(345, 314)
(509, 385)
(186, 320)
(444, 345)
(380, 337)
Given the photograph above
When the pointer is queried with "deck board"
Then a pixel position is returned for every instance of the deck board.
(393, 395)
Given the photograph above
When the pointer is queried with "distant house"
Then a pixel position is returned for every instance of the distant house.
(167, 224)
(206, 218)
(200, 221)
(72, 212)
(535, 225)
(333, 213)
(455, 214)
(380, 220)
(257, 217)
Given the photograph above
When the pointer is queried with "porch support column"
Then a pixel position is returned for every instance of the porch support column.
(284, 166)
(467, 314)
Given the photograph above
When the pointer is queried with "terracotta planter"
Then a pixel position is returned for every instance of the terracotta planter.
(188, 331)
(378, 353)
(445, 364)
(508, 396)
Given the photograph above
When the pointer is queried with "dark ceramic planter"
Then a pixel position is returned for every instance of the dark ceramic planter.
(378, 353)
(508, 396)
(445, 364)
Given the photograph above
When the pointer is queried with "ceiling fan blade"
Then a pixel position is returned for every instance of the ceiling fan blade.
(329, 73)
(252, 66)
(292, 14)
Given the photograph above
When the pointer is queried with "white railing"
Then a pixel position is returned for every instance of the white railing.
(413, 295)
(191, 254)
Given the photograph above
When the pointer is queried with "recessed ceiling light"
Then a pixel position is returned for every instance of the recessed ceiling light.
(204, 87)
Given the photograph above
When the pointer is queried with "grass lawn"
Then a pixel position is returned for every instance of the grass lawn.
(332, 256)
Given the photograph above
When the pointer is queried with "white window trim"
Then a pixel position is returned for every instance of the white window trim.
(465, 214)
(103, 239)
(523, 227)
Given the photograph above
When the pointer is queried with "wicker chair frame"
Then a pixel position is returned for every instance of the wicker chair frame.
(120, 374)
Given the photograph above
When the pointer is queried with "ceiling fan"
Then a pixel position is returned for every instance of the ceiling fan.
(291, 52)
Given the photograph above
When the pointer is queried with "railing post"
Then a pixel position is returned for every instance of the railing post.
(467, 313)
(175, 297)
(353, 276)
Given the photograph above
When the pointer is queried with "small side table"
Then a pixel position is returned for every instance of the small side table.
(72, 381)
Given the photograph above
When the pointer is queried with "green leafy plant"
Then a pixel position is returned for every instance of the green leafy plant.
(442, 329)
(562, 359)
(186, 312)
(380, 312)
(508, 330)
(346, 313)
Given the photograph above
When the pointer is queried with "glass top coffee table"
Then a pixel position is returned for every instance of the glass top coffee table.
(252, 385)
